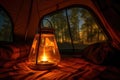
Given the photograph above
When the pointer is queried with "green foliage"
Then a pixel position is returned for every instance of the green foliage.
(83, 27)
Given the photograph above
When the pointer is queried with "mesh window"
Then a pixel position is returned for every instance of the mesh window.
(75, 29)
(5, 26)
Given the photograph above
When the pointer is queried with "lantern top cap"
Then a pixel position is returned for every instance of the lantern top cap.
(47, 30)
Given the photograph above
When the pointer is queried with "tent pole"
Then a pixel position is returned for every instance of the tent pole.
(69, 30)
(28, 20)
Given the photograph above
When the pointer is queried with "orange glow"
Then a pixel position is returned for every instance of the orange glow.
(44, 52)
(48, 42)
(44, 57)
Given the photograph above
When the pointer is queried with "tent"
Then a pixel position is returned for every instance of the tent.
(26, 16)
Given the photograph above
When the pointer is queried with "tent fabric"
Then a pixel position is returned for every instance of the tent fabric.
(110, 10)
(70, 69)
(20, 11)
(10, 53)
(102, 54)
(26, 15)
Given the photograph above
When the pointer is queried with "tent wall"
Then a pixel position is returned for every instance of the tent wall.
(22, 15)
(111, 11)
(27, 13)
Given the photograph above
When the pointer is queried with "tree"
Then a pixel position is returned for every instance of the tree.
(74, 23)
(89, 24)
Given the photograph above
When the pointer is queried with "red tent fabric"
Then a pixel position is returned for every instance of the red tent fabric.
(111, 12)
(26, 15)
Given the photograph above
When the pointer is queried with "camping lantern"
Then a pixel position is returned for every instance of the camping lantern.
(44, 52)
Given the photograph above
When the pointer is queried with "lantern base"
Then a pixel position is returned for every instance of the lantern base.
(42, 66)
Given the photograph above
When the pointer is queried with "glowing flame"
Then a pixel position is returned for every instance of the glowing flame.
(44, 57)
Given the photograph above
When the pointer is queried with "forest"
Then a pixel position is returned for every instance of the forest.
(75, 28)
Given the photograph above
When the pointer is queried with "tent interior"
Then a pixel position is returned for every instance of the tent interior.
(86, 32)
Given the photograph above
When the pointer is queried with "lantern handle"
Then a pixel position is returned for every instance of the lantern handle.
(51, 26)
